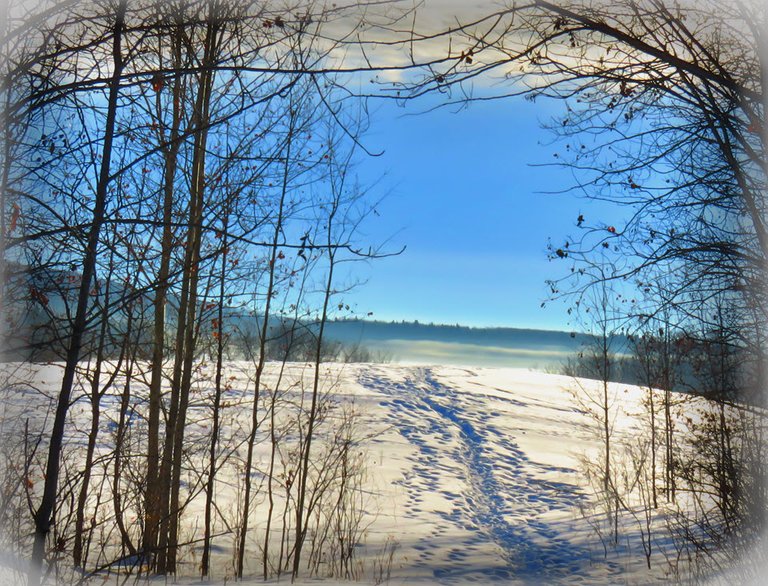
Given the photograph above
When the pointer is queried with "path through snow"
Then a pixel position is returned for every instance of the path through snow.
(497, 493)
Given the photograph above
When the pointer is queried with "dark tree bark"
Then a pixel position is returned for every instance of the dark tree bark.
(153, 501)
(187, 328)
(44, 511)
(278, 232)
(216, 407)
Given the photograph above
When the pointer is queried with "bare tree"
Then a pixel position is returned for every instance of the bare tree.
(45, 509)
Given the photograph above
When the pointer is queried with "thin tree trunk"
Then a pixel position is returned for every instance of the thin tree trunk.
(120, 436)
(606, 414)
(205, 562)
(262, 356)
(192, 261)
(668, 422)
(301, 524)
(44, 512)
(77, 547)
(653, 448)
(272, 456)
(152, 504)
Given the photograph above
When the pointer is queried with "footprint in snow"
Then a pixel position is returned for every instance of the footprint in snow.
(496, 495)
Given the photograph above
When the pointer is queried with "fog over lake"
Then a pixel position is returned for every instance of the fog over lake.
(415, 343)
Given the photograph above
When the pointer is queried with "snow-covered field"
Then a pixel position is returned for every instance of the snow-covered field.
(474, 475)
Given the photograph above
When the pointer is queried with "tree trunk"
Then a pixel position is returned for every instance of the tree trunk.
(653, 448)
(44, 512)
(120, 436)
(205, 563)
(191, 270)
(262, 359)
(77, 547)
(301, 523)
(152, 502)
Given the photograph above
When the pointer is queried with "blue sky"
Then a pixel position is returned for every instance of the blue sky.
(465, 200)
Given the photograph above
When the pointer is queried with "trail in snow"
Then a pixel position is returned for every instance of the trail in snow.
(495, 494)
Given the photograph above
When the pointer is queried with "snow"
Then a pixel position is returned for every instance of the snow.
(474, 474)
